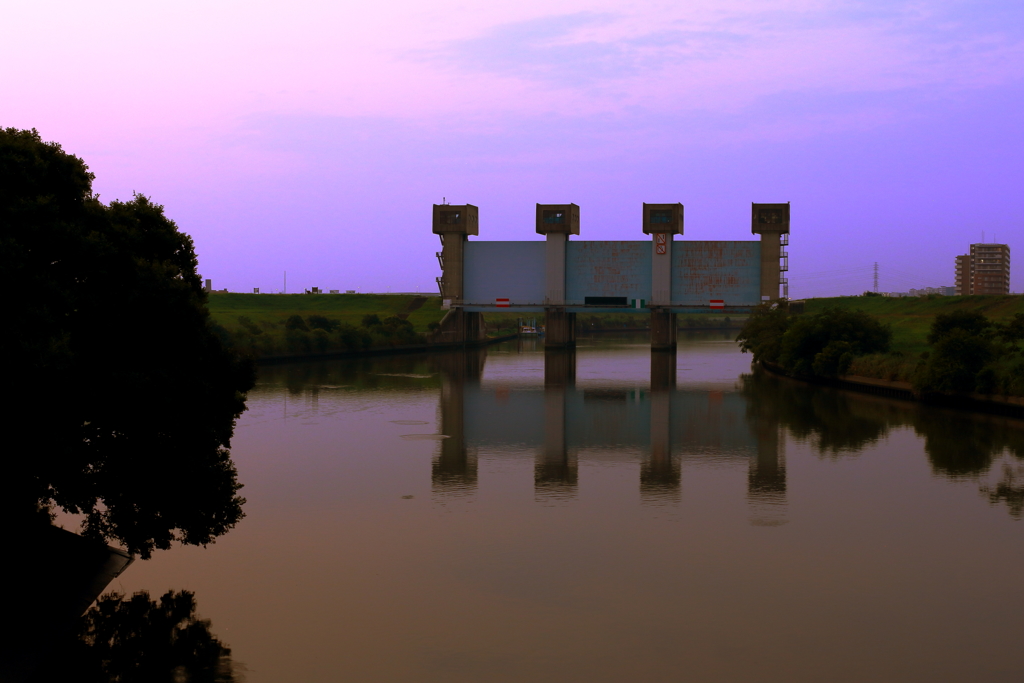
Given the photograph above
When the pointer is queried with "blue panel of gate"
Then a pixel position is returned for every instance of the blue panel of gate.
(504, 270)
(607, 270)
(727, 271)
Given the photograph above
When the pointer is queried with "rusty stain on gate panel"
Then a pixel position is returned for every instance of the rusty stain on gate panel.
(704, 270)
(607, 268)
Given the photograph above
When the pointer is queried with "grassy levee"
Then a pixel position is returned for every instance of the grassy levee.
(258, 323)
(226, 307)
(911, 319)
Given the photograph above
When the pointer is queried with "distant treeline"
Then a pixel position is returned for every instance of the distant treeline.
(968, 352)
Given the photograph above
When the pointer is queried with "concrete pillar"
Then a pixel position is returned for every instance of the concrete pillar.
(555, 468)
(771, 247)
(453, 249)
(559, 329)
(663, 370)
(454, 223)
(663, 329)
(560, 368)
(556, 222)
(554, 269)
(460, 327)
(662, 222)
(661, 269)
(770, 221)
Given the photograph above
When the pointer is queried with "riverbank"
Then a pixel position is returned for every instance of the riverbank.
(1011, 406)
(910, 319)
(277, 327)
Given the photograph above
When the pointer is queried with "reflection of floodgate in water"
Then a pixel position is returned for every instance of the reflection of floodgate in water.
(766, 479)
(454, 469)
(561, 422)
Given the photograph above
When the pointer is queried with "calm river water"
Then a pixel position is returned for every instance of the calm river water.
(499, 516)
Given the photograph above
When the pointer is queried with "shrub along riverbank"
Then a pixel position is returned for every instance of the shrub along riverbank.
(940, 345)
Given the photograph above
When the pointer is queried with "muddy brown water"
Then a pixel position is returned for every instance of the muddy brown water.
(490, 516)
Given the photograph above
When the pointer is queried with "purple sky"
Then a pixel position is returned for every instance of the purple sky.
(313, 136)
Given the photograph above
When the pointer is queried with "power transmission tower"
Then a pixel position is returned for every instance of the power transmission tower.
(876, 277)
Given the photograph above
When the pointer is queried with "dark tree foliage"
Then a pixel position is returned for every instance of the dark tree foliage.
(962, 345)
(955, 362)
(821, 344)
(125, 397)
(1013, 331)
(249, 326)
(295, 322)
(762, 334)
(320, 322)
(824, 344)
(970, 323)
(139, 640)
(353, 338)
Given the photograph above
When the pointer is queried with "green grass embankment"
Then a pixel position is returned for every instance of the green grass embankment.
(329, 323)
(225, 308)
(911, 319)
(258, 323)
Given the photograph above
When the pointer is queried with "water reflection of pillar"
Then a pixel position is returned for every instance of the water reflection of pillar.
(454, 468)
(660, 475)
(555, 471)
(766, 478)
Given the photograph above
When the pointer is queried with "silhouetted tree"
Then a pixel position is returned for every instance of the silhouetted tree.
(962, 345)
(139, 640)
(970, 322)
(295, 322)
(320, 322)
(823, 344)
(125, 398)
(762, 333)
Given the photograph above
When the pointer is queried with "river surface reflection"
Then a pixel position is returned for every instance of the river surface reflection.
(608, 515)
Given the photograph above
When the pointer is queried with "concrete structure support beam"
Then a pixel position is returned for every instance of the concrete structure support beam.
(770, 221)
(460, 327)
(559, 329)
(661, 270)
(771, 249)
(554, 269)
(453, 254)
(663, 329)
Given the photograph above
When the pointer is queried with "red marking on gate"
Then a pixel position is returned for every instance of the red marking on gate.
(501, 303)
(717, 303)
